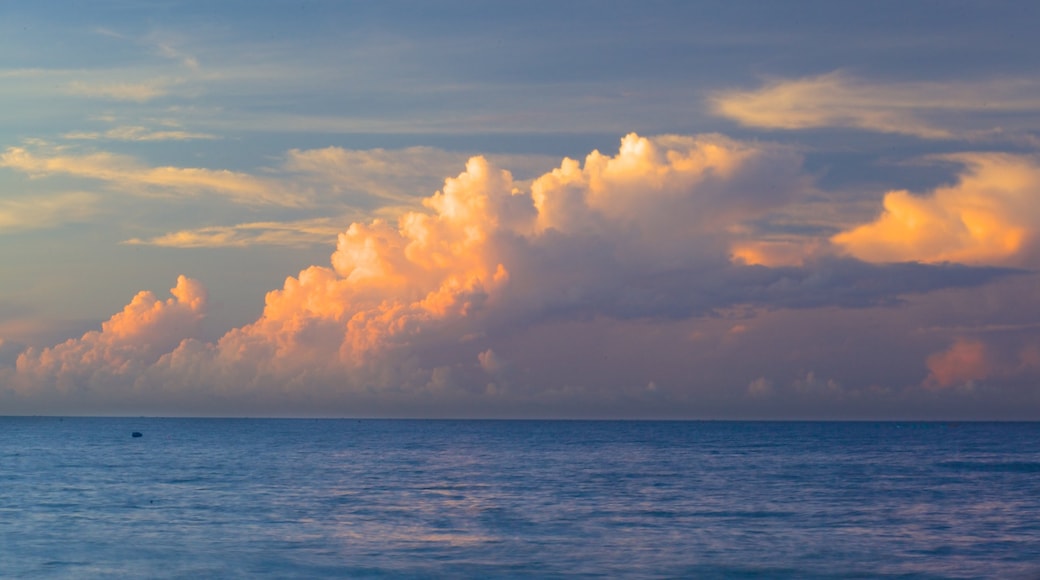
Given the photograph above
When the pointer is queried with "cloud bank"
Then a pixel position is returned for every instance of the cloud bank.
(581, 291)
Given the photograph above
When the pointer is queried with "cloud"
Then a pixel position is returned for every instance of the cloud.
(498, 296)
(140, 92)
(126, 345)
(990, 216)
(399, 176)
(45, 211)
(137, 133)
(395, 175)
(760, 388)
(333, 180)
(127, 174)
(928, 110)
(964, 362)
(299, 233)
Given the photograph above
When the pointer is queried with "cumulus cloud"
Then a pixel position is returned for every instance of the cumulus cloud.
(396, 175)
(990, 216)
(126, 345)
(842, 100)
(499, 289)
(339, 185)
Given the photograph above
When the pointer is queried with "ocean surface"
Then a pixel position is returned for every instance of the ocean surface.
(237, 498)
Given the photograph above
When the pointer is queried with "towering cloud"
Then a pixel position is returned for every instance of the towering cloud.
(127, 344)
(578, 288)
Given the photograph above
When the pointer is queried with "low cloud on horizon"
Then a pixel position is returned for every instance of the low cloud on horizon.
(600, 288)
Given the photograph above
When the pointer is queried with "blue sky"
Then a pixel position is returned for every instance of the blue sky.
(805, 209)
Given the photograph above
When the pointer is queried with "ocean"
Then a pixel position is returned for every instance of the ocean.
(243, 498)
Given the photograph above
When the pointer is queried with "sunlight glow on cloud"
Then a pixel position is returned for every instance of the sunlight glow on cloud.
(776, 252)
(125, 346)
(403, 305)
(990, 216)
(495, 293)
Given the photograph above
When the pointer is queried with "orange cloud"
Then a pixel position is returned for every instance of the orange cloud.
(774, 253)
(127, 343)
(990, 216)
(402, 301)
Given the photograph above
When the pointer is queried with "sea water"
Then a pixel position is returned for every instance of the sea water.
(235, 498)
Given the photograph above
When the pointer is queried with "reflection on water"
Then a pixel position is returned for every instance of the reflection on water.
(242, 498)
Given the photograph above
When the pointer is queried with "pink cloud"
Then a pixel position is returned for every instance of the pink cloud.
(964, 362)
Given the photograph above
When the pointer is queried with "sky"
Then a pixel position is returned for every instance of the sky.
(660, 209)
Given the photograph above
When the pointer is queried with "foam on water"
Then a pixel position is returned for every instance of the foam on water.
(347, 498)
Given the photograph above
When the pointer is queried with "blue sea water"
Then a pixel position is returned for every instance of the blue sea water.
(236, 498)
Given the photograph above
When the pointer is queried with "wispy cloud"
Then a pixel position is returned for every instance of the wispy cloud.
(299, 233)
(921, 109)
(139, 92)
(44, 211)
(128, 174)
(137, 133)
